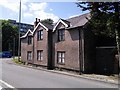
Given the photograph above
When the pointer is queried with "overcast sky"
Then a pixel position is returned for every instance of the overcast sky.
(31, 9)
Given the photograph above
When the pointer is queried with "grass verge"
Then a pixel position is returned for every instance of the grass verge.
(17, 61)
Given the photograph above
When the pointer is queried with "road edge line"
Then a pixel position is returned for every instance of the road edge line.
(8, 85)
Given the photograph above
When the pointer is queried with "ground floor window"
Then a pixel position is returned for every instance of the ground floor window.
(29, 55)
(39, 55)
(61, 57)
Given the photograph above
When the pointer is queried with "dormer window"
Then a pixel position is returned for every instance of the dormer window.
(29, 40)
(61, 35)
(40, 35)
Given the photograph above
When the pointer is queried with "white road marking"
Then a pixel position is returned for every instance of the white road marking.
(8, 85)
(0, 88)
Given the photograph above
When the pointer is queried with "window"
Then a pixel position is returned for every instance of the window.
(40, 35)
(29, 55)
(40, 55)
(29, 40)
(61, 35)
(61, 57)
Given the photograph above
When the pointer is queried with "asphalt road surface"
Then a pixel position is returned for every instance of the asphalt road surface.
(22, 77)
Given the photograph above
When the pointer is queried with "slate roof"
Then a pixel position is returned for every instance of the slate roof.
(79, 20)
(50, 27)
(71, 22)
(76, 21)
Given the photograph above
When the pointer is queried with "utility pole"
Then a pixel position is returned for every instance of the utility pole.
(19, 32)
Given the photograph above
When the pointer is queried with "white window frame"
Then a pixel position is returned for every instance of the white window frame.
(29, 40)
(40, 35)
(39, 55)
(61, 57)
(61, 35)
(29, 55)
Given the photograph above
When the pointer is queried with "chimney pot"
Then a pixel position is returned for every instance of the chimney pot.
(39, 20)
(36, 22)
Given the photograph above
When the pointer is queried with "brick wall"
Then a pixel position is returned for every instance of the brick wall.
(70, 46)
(41, 45)
(25, 48)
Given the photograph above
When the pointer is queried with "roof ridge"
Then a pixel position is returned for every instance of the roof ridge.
(78, 16)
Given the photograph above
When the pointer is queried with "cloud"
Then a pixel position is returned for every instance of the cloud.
(13, 5)
(37, 6)
(28, 15)
(51, 9)
(44, 15)
(10, 5)
(29, 9)
(39, 10)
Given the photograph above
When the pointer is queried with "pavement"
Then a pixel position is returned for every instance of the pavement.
(102, 78)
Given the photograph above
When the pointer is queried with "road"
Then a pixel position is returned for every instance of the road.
(22, 77)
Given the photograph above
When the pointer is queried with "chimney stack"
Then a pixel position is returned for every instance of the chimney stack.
(39, 20)
(35, 19)
(36, 22)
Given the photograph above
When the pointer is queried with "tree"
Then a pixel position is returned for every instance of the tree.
(48, 21)
(102, 16)
(105, 18)
(9, 33)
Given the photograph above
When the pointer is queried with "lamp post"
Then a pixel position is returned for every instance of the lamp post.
(19, 32)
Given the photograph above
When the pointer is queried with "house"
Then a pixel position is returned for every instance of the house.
(36, 44)
(73, 45)
(69, 44)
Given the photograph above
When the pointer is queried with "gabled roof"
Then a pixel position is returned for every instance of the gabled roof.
(74, 21)
(50, 27)
(29, 31)
(69, 23)
(79, 20)
(60, 21)
(46, 26)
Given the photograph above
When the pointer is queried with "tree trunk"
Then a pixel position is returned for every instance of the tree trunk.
(116, 6)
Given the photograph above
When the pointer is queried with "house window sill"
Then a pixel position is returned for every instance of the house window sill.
(61, 63)
(39, 60)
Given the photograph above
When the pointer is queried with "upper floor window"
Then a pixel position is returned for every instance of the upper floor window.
(29, 40)
(29, 55)
(61, 35)
(61, 57)
(40, 55)
(40, 35)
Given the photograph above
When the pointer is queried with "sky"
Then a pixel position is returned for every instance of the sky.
(42, 9)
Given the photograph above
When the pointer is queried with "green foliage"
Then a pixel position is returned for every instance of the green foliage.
(48, 21)
(9, 32)
(103, 25)
(103, 16)
(17, 61)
